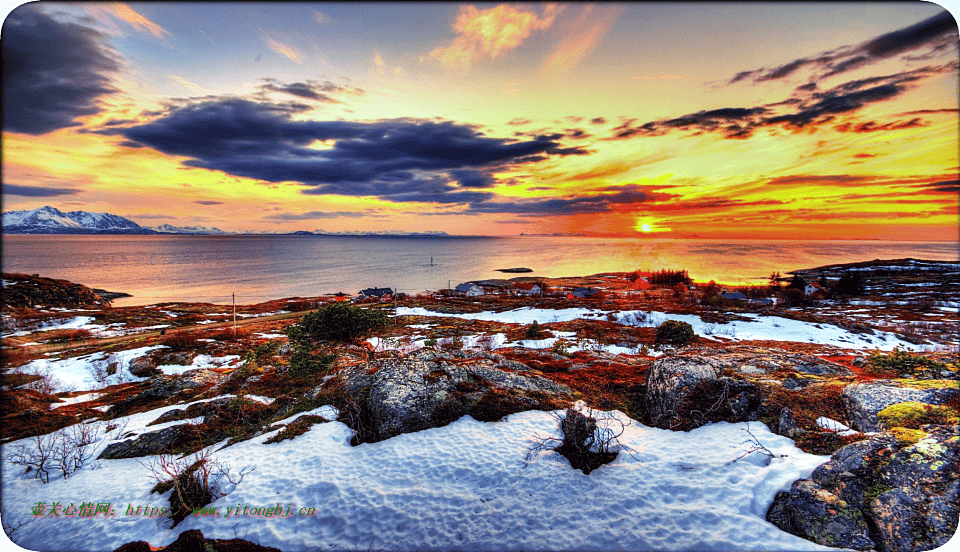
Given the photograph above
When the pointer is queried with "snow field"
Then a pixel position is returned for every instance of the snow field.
(460, 487)
(757, 328)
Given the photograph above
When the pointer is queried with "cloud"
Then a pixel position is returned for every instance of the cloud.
(665, 76)
(584, 36)
(195, 88)
(125, 13)
(489, 33)
(394, 159)
(310, 90)
(284, 50)
(317, 215)
(381, 67)
(37, 191)
(873, 126)
(53, 72)
(599, 201)
(598, 121)
(519, 121)
(809, 108)
(937, 34)
(208, 202)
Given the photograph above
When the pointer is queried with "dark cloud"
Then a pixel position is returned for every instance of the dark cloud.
(813, 108)
(931, 111)
(598, 121)
(208, 202)
(260, 140)
(37, 191)
(53, 72)
(873, 126)
(864, 155)
(937, 35)
(945, 187)
(317, 215)
(594, 203)
(311, 90)
(825, 179)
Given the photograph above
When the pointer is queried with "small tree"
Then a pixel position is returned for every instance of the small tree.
(675, 332)
(534, 331)
(336, 322)
(797, 282)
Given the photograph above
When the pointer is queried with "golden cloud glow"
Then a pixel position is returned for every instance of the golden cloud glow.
(126, 14)
(488, 33)
(586, 33)
(284, 50)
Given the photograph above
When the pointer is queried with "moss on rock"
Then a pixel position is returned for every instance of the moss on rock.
(913, 414)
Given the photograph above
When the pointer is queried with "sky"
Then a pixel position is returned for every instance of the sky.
(687, 120)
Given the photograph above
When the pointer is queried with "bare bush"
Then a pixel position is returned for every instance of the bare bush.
(64, 451)
(589, 440)
(196, 480)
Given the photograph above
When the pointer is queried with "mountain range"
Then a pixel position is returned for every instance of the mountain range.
(50, 220)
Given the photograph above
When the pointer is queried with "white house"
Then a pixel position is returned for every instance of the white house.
(469, 289)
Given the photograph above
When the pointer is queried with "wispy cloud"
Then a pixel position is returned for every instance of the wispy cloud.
(488, 33)
(192, 86)
(128, 15)
(37, 191)
(583, 37)
(284, 50)
(382, 68)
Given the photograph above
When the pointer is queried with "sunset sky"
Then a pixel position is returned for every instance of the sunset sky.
(782, 120)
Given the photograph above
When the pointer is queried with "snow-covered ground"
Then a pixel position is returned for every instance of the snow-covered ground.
(758, 327)
(88, 372)
(86, 323)
(460, 487)
(202, 361)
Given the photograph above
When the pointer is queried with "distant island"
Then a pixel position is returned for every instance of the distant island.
(50, 220)
(515, 270)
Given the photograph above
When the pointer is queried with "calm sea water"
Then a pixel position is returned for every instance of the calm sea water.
(258, 268)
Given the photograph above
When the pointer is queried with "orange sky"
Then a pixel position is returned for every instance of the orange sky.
(820, 121)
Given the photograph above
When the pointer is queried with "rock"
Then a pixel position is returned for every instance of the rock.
(908, 496)
(164, 388)
(669, 381)
(147, 444)
(811, 512)
(787, 424)
(194, 541)
(863, 402)
(143, 367)
(684, 392)
(427, 389)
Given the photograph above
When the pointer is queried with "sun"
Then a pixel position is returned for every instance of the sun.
(647, 225)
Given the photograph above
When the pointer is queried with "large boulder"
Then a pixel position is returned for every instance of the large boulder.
(431, 388)
(685, 392)
(921, 508)
(863, 401)
(879, 494)
(812, 512)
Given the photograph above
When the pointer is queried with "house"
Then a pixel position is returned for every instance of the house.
(383, 294)
(528, 288)
(341, 296)
(469, 289)
(583, 293)
(734, 296)
(764, 302)
(640, 284)
(810, 289)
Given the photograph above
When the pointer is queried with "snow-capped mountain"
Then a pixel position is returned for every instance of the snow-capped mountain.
(170, 229)
(50, 220)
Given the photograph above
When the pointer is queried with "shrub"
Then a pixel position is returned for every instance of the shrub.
(534, 331)
(675, 332)
(902, 362)
(64, 451)
(337, 322)
(179, 341)
(590, 439)
(304, 362)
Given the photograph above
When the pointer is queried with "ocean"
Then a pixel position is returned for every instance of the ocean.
(157, 269)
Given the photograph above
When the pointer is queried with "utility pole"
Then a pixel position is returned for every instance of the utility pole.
(234, 315)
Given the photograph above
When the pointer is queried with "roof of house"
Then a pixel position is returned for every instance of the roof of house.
(526, 285)
(734, 296)
(585, 292)
(465, 287)
(376, 292)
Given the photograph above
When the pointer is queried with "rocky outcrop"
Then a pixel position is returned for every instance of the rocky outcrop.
(164, 388)
(878, 494)
(684, 392)
(157, 442)
(431, 388)
(864, 401)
